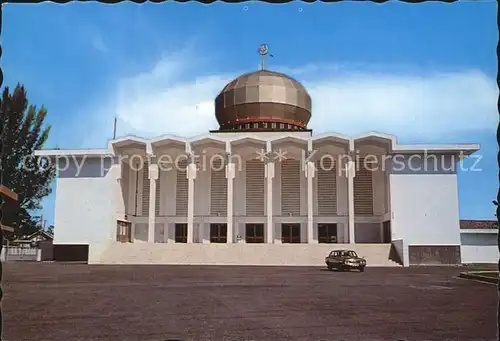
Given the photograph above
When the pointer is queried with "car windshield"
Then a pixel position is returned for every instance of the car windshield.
(348, 254)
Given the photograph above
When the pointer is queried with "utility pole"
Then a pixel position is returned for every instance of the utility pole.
(114, 129)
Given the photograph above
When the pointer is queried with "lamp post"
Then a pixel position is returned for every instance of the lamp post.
(4, 191)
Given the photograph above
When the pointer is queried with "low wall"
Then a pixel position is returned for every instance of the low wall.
(15, 253)
(434, 254)
(234, 254)
(399, 253)
(71, 253)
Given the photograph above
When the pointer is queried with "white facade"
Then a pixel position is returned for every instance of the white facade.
(403, 201)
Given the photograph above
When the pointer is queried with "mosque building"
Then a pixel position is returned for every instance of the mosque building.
(262, 189)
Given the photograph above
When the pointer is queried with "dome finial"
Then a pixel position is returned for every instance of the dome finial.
(263, 51)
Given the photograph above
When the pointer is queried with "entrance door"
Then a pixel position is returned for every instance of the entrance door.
(327, 233)
(386, 232)
(254, 233)
(181, 233)
(290, 233)
(218, 233)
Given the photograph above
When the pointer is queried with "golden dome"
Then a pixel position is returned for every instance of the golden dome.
(263, 97)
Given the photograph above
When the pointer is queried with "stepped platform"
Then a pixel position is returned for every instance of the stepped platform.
(233, 254)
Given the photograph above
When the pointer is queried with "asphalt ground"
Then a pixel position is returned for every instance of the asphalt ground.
(50, 301)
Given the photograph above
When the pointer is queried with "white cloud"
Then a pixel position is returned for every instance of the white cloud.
(430, 106)
(170, 99)
(99, 44)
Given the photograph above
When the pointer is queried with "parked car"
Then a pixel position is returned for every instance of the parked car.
(342, 260)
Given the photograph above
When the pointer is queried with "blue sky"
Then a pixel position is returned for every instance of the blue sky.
(425, 72)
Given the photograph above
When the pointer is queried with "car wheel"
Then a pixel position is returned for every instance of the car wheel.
(330, 267)
(362, 269)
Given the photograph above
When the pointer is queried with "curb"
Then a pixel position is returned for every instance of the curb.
(476, 275)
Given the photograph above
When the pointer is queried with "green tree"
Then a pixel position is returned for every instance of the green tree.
(50, 229)
(22, 172)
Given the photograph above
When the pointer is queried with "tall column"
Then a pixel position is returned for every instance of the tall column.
(310, 169)
(269, 177)
(121, 209)
(153, 176)
(230, 170)
(351, 169)
(191, 174)
(269, 173)
(351, 173)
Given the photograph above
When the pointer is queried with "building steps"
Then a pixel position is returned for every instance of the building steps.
(233, 254)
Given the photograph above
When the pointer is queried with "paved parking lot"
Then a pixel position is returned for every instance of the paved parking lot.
(76, 301)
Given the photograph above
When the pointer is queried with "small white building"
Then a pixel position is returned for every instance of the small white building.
(260, 190)
(479, 241)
